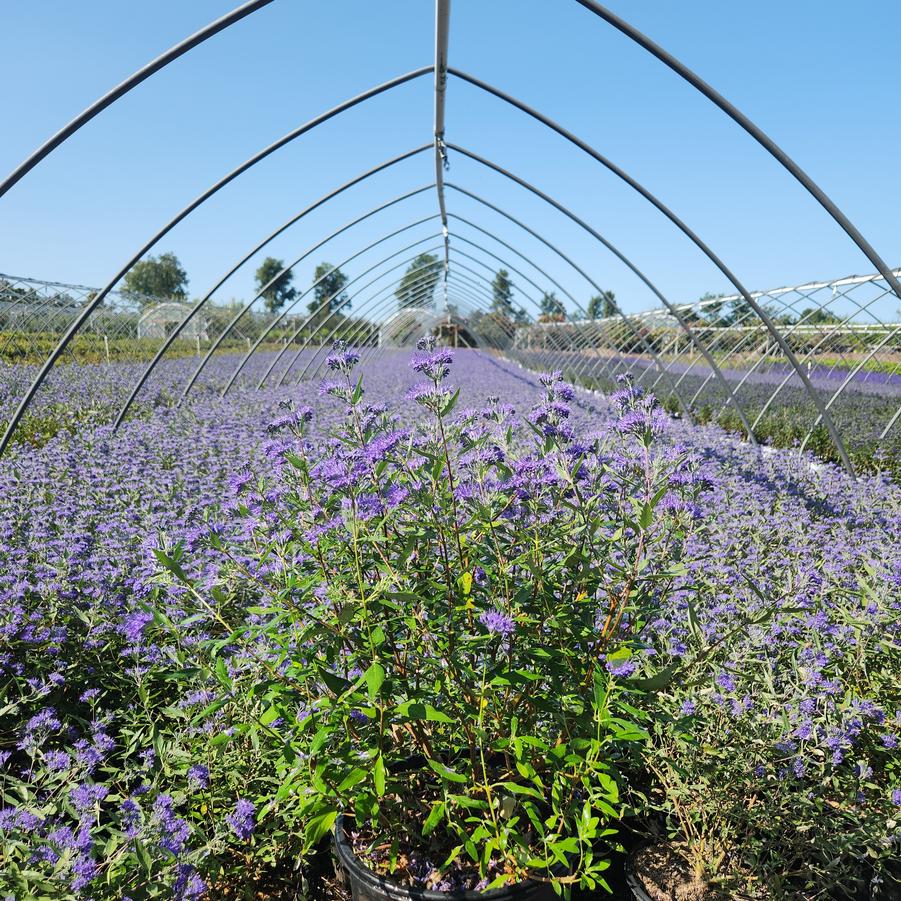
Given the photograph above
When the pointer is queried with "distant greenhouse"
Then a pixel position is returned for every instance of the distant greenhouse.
(161, 320)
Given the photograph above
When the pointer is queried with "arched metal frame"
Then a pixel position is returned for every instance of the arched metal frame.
(250, 254)
(133, 80)
(193, 205)
(547, 244)
(379, 303)
(344, 303)
(441, 70)
(689, 233)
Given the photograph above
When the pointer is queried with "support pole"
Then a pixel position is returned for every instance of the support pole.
(442, 34)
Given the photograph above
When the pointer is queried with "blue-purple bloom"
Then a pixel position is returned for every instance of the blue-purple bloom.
(497, 623)
(85, 796)
(198, 776)
(622, 668)
(241, 819)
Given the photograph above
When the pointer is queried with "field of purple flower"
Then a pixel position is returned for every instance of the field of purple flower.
(767, 681)
(861, 413)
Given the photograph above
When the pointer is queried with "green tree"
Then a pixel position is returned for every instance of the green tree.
(157, 277)
(602, 306)
(280, 292)
(329, 293)
(502, 291)
(818, 316)
(552, 309)
(418, 283)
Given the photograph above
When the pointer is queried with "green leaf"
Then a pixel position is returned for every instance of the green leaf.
(629, 732)
(354, 777)
(378, 775)
(269, 716)
(208, 710)
(319, 740)
(413, 710)
(374, 677)
(646, 517)
(433, 818)
(656, 682)
(449, 406)
(517, 789)
(335, 683)
(446, 772)
(358, 391)
(693, 619)
(319, 826)
(171, 565)
(143, 856)
(222, 673)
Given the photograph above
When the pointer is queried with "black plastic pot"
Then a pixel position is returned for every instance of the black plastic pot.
(636, 886)
(367, 886)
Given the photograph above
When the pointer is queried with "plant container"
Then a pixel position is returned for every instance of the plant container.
(367, 886)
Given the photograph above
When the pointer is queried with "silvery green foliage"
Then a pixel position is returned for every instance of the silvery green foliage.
(774, 749)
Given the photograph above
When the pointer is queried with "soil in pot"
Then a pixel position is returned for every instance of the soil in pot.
(665, 876)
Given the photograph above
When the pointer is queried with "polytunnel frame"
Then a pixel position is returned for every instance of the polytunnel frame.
(788, 333)
(345, 303)
(423, 287)
(481, 200)
(258, 247)
(481, 301)
(319, 310)
(530, 262)
(293, 303)
(554, 353)
(429, 274)
(441, 70)
(689, 233)
(183, 214)
(623, 259)
(325, 302)
(290, 306)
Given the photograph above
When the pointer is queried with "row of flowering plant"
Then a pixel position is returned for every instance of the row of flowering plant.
(435, 629)
(775, 753)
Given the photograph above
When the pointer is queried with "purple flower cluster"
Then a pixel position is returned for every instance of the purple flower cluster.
(342, 359)
(241, 819)
(497, 623)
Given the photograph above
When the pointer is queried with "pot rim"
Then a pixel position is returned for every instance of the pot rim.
(354, 865)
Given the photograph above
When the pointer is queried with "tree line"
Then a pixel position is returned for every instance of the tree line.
(164, 276)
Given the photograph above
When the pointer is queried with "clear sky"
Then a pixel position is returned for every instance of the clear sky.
(820, 77)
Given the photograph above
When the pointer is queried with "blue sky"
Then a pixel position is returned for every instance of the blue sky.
(821, 78)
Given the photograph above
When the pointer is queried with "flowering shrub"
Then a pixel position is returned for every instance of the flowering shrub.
(775, 747)
(442, 626)
(861, 413)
